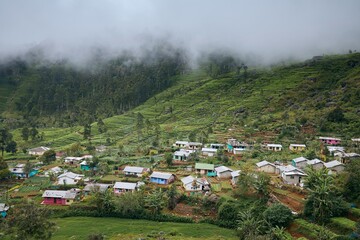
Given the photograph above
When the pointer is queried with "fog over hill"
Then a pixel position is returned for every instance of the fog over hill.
(268, 31)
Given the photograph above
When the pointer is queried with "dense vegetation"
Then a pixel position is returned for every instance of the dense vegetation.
(57, 93)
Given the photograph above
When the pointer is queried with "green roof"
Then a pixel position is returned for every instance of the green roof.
(204, 166)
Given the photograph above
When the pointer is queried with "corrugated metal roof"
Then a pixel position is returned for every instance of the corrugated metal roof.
(125, 185)
(161, 175)
(204, 166)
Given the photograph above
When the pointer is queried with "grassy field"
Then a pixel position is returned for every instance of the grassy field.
(77, 228)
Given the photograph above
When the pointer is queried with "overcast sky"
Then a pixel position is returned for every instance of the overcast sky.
(270, 30)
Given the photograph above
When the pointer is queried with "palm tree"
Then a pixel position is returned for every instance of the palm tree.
(249, 227)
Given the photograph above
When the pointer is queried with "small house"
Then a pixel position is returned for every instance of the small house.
(231, 143)
(333, 149)
(330, 140)
(123, 187)
(210, 152)
(297, 147)
(39, 151)
(181, 144)
(182, 154)
(59, 197)
(315, 164)
(135, 171)
(274, 147)
(299, 162)
(194, 145)
(162, 178)
(235, 177)
(69, 178)
(335, 166)
(205, 169)
(3, 210)
(85, 165)
(55, 171)
(240, 148)
(223, 172)
(265, 166)
(293, 177)
(19, 171)
(73, 160)
(217, 146)
(195, 184)
(96, 187)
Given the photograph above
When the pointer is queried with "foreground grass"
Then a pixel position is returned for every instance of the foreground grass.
(114, 228)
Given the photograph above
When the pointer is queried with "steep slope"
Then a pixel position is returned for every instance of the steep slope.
(284, 103)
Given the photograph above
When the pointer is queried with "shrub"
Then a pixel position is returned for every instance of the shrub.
(278, 215)
(311, 230)
(342, 225)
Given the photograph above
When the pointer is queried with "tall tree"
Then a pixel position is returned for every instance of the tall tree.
(87, 131)
(155, 201)
(25, 133)
(172, 197)
(11, 147)
(101, 126)
(49, 156)
(31, 222)
(33, 133)
(4, 169)
(28, 168)
(5, 139)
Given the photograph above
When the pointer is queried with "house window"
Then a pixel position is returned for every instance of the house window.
(291, 177)
(67, 200)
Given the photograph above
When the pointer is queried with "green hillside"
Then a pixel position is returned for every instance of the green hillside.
(281, 103)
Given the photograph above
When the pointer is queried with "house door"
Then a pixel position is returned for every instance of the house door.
(54, 200)
(299, 179)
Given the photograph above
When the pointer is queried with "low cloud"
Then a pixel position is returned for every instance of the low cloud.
(267, 30)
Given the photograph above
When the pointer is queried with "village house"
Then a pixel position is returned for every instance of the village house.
(335, 166)
(217, 146)
(54, 171)
(182, 154)
(73, 160)
(239, 149)
(181, 144)
(290, 174)
(194, 145)
(346, 157)
(3, 210)
(85, 165)
(210, 152)
(315, 164)
(192, 184)
(334, 149)
(135, 171)
(235, 177)
(123, 187)
(39, 151)
(162, 178)
(274, 147)
(299, 162)
(265, 166)
(69, 178)
(205, 169)
(223, 172)
(96, 187)
(297, 147)
(236, 147)
(330, 140)
(19, 171)
(293, 177)
(60, 197)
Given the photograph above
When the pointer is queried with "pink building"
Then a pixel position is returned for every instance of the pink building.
(59, 197)
(330, 140)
